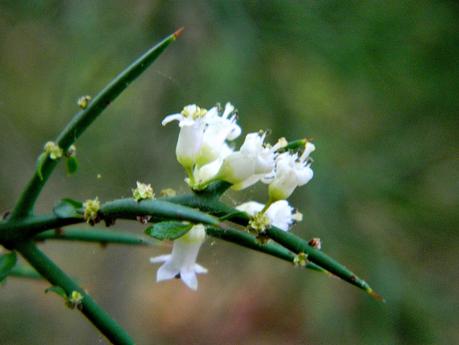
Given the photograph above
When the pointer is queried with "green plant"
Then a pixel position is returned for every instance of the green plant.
(184, 219)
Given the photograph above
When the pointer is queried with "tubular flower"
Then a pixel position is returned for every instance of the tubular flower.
(181, 263)
(290, 172)
(279, 213)
(192, 125)
(203, 138)
(250, 164)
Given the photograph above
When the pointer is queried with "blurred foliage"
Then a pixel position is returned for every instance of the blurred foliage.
(374, 84)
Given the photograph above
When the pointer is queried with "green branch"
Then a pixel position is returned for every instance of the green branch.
(22, 229)
(49, 270)
(157, 209)
(103, 236)
(83, 119)
(246, 240)
(187, 208)
(15, 230)
(284, 238)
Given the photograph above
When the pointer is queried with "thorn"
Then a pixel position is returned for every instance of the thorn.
(376, 296)
(6, 214)
(177, 33)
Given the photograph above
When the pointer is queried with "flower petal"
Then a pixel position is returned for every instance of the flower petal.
(159, 259)
(172, 117)
(189, 278)
(200, 269)
(166, 272)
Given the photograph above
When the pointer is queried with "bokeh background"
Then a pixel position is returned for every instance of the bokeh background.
(374, 84)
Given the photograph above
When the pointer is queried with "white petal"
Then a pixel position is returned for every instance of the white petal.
(251, 180)
(237, 167)
(200, 269)
(208, 171)
(280, 214)
(170, 118)
(308, 149)
(189, 144)
(159, 259)
(250, 207)
(235, 132)
(166, 272)
(229, 108)
(189, 278)
(304, 175)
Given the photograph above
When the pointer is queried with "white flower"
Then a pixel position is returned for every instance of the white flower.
(208, 172)
(182, 261)
(218, 130)
(203, 134)
(290, 172)
(250, 164)
(192, 125)
(279, 213)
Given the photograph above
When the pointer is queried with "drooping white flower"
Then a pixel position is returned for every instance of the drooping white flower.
(279, 213)
(192, 126)
(290, 172)
(250, 164)
(182, 261)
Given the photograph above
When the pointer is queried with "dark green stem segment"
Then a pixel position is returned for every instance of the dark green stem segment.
(246, 240)
(49, 270)
(20, 229)
(24, 228)
(103, 236)
(158, 209)
(83, 119)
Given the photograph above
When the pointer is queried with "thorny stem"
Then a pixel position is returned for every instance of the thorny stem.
(49, 270)
(83, 119)
(23, 209)
(102, 236)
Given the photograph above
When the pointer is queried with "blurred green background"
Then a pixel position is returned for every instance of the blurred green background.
(375, 84)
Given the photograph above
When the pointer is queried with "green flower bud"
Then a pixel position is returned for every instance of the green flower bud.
(301, 259)
(143, 192)
(53, 150)
(91, 210)
(83, 101)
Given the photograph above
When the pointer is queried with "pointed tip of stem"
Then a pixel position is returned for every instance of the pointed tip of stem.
(177, 33)
(376, 296)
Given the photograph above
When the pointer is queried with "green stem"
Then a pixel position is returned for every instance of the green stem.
(286, 239)
(24, 228)
(49, 270)
(21, 229)
(158, 209)
(102, 236)
(246, 240)
(83, 119)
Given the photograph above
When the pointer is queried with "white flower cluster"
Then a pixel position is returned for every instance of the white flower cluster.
(204, 151)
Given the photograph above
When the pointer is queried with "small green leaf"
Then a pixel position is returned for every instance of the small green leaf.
(40, 161)
(170, 230)
(67, 208)
(57, 290)
(7, 262)
(72, 165)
